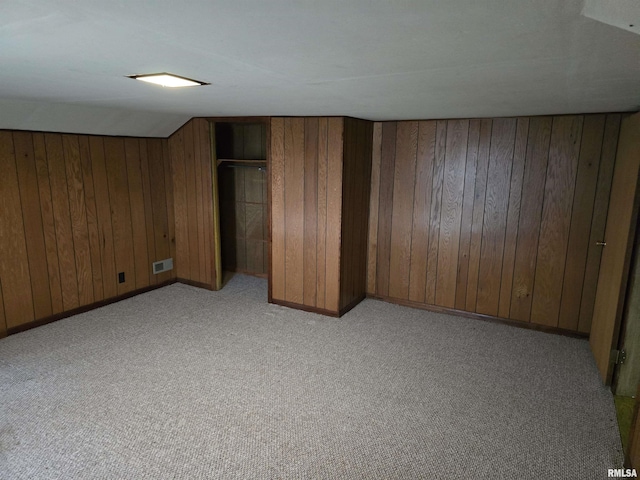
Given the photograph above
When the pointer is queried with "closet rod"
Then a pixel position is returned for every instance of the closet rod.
(259, 167)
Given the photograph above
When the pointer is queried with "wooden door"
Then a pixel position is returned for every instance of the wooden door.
(614, 266)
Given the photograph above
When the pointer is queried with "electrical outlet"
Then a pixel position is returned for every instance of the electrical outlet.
(121, 277)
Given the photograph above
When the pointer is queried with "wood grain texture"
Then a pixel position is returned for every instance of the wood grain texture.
(402, 211)
(513, 216)
(598, 220)
(78, 211)
(278, 225)
(421, 206)
(136, 205)
(48, 223)
(321, 253)
(62, 217)
(178, 175)
(582, 212)
(530, 212)
(372, 245)
(3, 320)
(17, 296)
(478, 191)
(32, 218)
(61, 254)
(335, 152)
(356, 183)
(466, 222)
(495, 215)
(294, 197)
(310, 211)
(479, 198)
(103, 210)
(556, 219)
(192, 203)
(451, 216)
(200, 204)
(171, 221)
(436, 211)
(148, 209)
(116, 164)
(614, 268)
(385, 208)
(92, 217)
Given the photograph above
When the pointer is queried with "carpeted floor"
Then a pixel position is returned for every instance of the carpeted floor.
(183, 383)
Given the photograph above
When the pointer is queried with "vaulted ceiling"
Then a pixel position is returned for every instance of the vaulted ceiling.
(63, 63)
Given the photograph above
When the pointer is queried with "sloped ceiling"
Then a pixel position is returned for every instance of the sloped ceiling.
(64, 62)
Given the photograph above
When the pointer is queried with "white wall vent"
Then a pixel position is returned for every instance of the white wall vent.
(162, 266)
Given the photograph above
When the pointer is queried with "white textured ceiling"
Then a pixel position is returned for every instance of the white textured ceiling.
(63, 62)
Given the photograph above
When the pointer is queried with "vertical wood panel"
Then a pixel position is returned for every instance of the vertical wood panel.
(171, 219)
(495, 215)
(192, 203)
(466, 222)
(78, 211)
(17, 296)
(278, 226)
(436, 211)
(148, 211)
(310, 210)
(32, 218)
(334, 212)
(48, 223)
(513, 216)
(480, 189)
(323, 125)
(556, 219)
(421, 208)
(198, 161)
(62, 217)
(529, 224)
(294, 205)
(158, 193)
(136, 205)
(207, 198)
(3, 320)
(179, 194)
(356, 184)
(582, 212)
(372, 247)
(385, 209)
(402, 211)
(496, 194)
(103, 210)
(451, 216)
(92, 218)
(121, 212)
(599, 219)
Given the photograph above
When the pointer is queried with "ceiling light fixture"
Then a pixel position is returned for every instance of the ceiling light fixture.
(168, 80)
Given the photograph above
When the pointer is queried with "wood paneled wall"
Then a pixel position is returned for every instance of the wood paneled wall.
(191, 163)
(243, 218)
(356, 182)
(306, 201)
(76, 211)
(493, 216)
(317, 220)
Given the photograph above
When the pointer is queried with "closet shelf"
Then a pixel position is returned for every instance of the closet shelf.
(241, 161)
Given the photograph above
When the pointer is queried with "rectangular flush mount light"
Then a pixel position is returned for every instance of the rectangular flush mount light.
(168, 80)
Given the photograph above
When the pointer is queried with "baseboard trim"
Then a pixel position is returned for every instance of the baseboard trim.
(321, 311)
(480, 316)
(206, 286)
(85, 308)
(306, 308)
(352, 304)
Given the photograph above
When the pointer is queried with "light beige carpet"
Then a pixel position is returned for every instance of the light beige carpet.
(191, 384)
